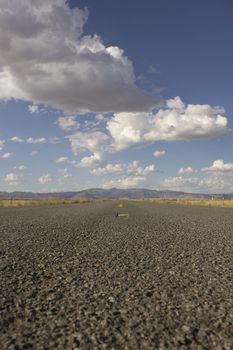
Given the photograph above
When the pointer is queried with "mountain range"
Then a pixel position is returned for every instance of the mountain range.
(113, 193)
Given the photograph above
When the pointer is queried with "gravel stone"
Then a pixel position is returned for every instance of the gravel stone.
(78, 277)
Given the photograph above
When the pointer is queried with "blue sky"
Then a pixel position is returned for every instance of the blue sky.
(116, 94)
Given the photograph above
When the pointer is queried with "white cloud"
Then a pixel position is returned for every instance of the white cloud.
(54, 140)
(126, 182)
(219, 166)
(176, 104)
(65, 173)
(67, 123)
(7, 155)
(127, 129)
(34, 153)
(2, 144)
(46, 59)
(148, 169)
(100, 117)
(176, 122)
(20, 167)
(196, 184)
(115, 169)
(62, 160)
(90, 161)
(159, 153)
(45, 179)
(132, 174)
(36, 140)
(131, 168)
(12, 179)
(188, 170)
(64, 176)
(94, 141)
(17, 139)
(33, 109)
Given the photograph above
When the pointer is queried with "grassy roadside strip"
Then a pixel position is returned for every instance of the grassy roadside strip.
(227, 203)
(47, 201)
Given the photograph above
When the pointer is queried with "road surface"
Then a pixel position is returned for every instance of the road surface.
(77, 277)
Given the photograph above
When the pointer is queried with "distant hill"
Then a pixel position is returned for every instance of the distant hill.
(113, 193)
(33, 195)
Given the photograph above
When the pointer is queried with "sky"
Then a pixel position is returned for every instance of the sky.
(125, 94)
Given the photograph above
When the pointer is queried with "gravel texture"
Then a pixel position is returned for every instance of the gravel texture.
(78, 277)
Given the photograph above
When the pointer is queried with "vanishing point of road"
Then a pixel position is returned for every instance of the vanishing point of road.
(78, 277)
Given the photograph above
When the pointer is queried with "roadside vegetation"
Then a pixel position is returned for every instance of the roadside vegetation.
(41, 202)
(216, 202)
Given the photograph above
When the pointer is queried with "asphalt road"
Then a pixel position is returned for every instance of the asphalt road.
(76, 277)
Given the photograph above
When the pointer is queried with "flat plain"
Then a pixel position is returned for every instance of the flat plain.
(78, 277)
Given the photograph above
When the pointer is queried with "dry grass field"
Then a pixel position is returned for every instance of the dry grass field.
(41, 202)
(58, 201)
(227, 203)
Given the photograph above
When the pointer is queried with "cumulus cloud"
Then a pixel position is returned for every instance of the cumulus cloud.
(34, 153)
(12, 179)
(127, 129)
(207, 184)
(188, 170)
(46, 59)
(33, 109)
(45, 179)
(132, 174)
(115, 169)
(175, 104)
(64, 175)
(17, 139)
(20, 167)
(2, 144)
(54, 140)
(219, 166)
(36, 140)
(7, 155)
(67, 123)
(100, 117)
(175, 122)
(90, 161)
(94, 141)
(126, 182)
(62, 160)
(159, 153)
(132, 168)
